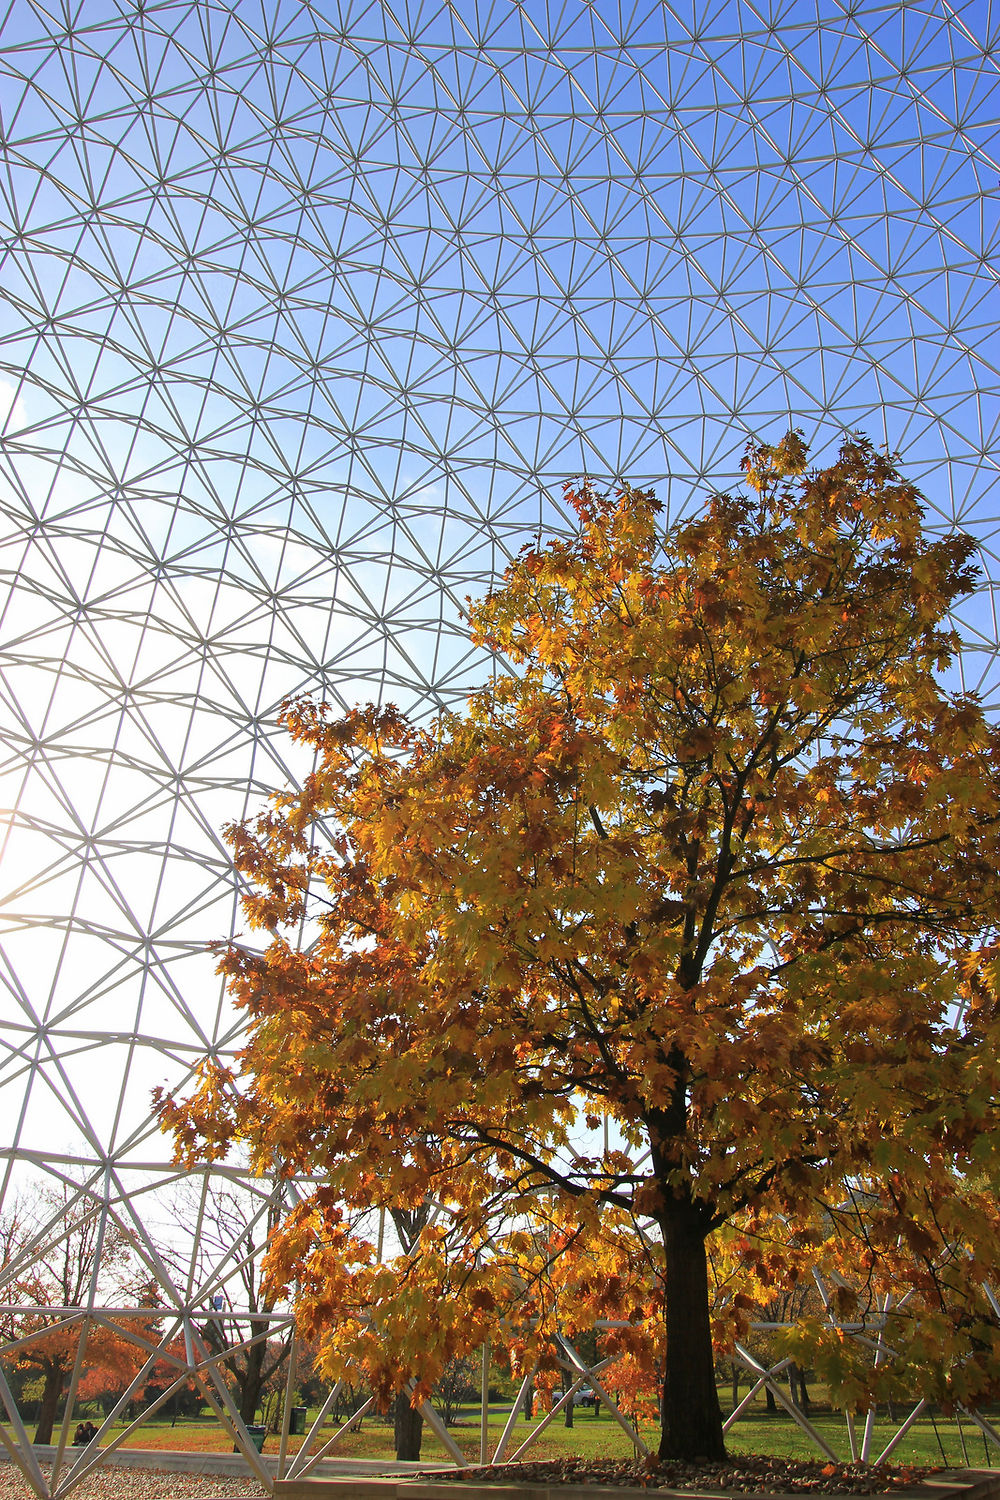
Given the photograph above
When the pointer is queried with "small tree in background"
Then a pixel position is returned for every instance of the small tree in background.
(457, 1385)
(719, 863)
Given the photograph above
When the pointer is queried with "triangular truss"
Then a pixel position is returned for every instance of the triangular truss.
(309, 310)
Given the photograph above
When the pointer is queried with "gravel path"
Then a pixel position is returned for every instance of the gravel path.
(138, 1484)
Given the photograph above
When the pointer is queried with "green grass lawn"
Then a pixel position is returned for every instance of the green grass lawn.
(921, 1446)
(931, 1441)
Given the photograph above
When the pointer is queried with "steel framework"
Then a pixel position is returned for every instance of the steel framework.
(308, 310)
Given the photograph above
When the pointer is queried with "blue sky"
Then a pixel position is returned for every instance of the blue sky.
(307, 312)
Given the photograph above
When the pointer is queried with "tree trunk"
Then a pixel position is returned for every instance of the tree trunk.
(568, 1412)
(408, 1425)
(251, 1381)
(803, 1389)
(55, 1379)
(692, 1417)
(797, 1386)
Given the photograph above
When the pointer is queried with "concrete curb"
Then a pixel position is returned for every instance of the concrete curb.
(956, 1484)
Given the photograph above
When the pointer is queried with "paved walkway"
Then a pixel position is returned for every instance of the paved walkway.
(177, 1462)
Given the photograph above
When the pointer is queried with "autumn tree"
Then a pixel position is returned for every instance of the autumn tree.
(112, 1364)
(716, 862)
(56, 1254)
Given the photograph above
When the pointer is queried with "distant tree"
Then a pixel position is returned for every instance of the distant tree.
(188, 1399)
(70, 1253)
(455, 1386)
(228, 1227)
(103, 1383)
(718, 863)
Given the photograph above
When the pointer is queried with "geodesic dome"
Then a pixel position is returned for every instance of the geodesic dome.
(309, 310)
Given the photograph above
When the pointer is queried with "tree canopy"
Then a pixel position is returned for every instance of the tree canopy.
(716, 863)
